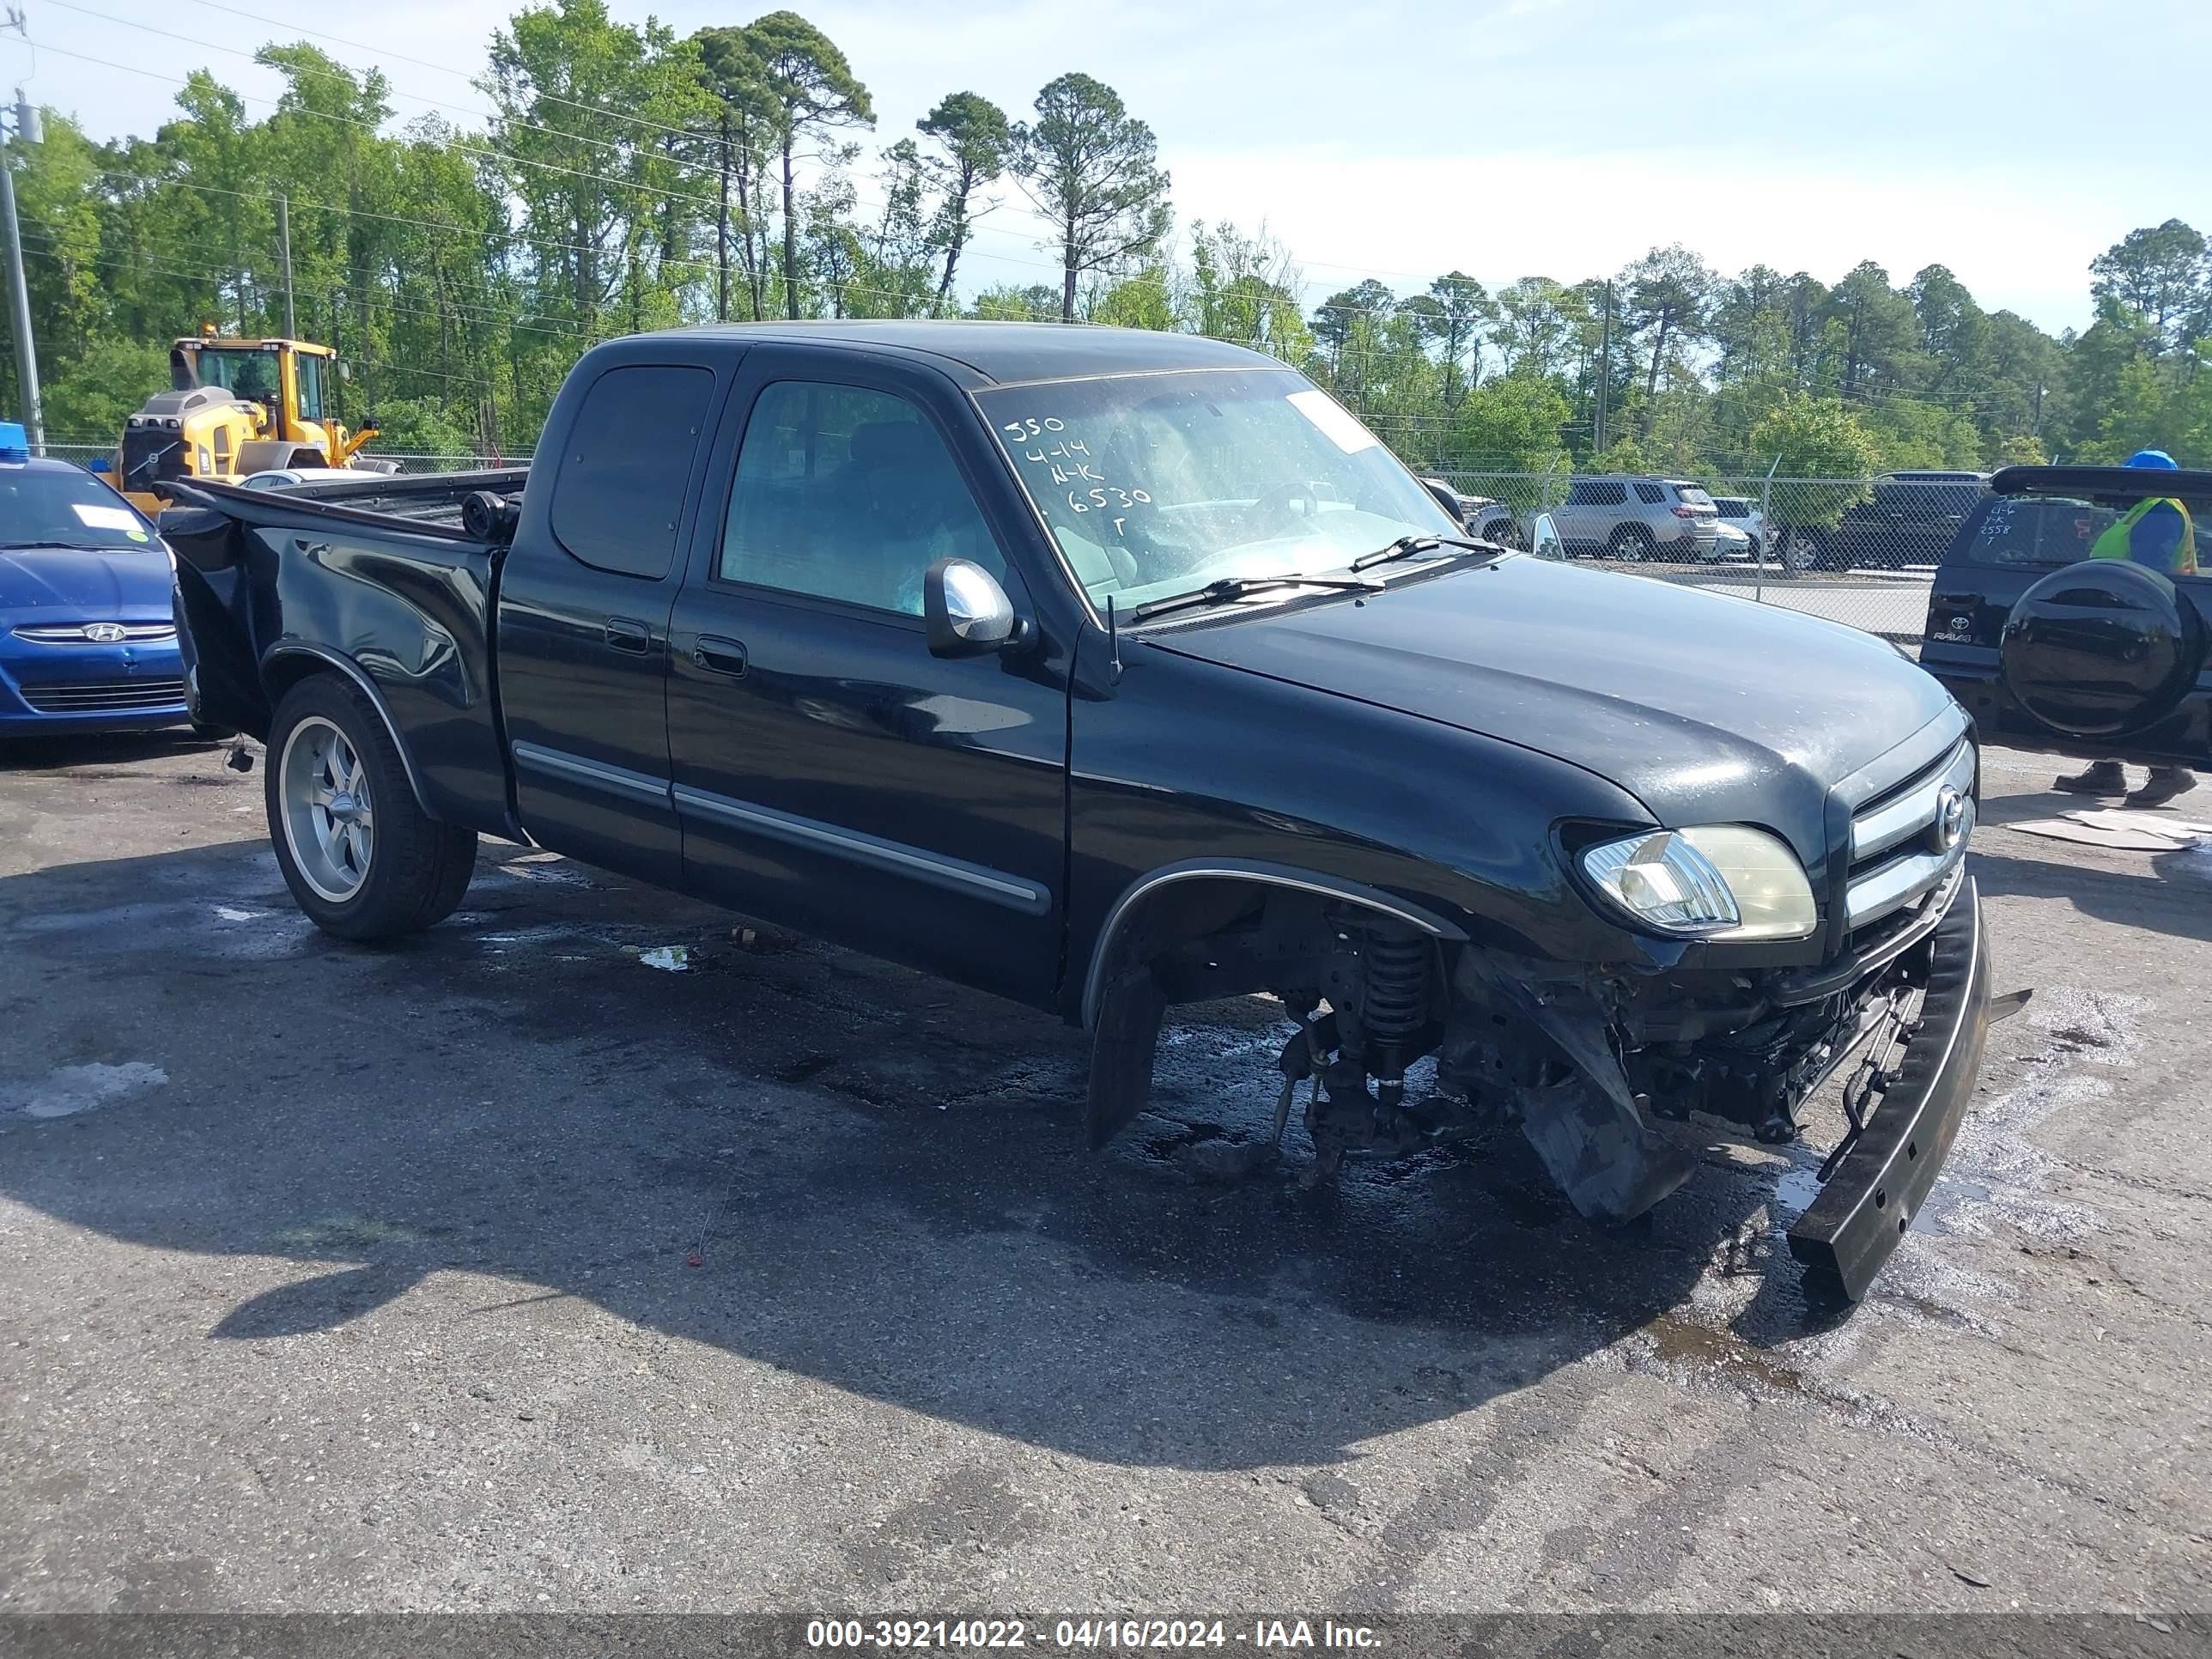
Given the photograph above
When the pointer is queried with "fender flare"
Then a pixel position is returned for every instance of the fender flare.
(1260, 874)
(354, 671)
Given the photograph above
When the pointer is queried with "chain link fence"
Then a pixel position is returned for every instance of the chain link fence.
(86, 455)
(1855, 551)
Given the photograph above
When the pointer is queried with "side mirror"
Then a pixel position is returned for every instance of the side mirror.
(1544, 540)
(1447, 498)
(964, 612)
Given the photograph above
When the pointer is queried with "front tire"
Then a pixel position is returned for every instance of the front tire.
(362, 859)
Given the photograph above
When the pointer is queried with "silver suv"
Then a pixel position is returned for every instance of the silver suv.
(1619, 516)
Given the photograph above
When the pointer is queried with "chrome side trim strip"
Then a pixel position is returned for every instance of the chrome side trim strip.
(1351, 892)
(892, 857)
(598, 774)
(352, 670)
(1886, 826)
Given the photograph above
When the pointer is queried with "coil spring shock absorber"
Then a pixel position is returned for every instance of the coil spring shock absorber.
(1395, 1005)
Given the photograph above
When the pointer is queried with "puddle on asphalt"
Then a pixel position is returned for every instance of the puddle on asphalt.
(69, 1090)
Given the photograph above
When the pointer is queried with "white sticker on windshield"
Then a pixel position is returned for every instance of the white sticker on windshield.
(1325, 412)
(105, 518)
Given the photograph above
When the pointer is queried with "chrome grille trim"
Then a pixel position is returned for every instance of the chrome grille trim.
(1898, 855)
(80, 633)
(1913, 811)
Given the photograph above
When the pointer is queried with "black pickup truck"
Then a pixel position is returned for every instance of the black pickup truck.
(1107, 670)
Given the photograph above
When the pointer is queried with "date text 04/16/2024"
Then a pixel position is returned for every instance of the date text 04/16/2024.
(1112, 1634)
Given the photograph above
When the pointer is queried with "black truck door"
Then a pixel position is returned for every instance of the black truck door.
(583, 615)
(829, 772)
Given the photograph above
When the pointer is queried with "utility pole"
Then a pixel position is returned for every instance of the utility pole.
(29, 129)
(338, 354)
(1604, 371)
(284, 244)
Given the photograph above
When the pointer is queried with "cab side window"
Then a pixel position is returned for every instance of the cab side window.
(618, 487)
(846, 494)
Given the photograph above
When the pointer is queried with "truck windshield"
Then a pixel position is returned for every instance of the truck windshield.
(1158, 484)
(61, 506)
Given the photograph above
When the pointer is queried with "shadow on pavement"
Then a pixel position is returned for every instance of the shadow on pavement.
(51, 754)
(878, 1177)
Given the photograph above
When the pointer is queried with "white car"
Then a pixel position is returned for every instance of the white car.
(312, 478)
(1733, 542)
(1742, 513)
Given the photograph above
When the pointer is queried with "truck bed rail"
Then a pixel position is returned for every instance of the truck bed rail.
(426, 503)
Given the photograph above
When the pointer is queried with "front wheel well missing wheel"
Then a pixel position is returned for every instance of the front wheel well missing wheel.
(1371, 994)
(1201, 937)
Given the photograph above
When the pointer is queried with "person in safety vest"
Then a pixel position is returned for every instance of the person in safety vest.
(2158, 533)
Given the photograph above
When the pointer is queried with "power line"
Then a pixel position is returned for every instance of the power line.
(459, 309)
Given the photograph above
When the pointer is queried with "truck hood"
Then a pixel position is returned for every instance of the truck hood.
(69, 584)
(1706, 708)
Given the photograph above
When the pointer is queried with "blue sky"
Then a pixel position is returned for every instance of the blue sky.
(2010, 142)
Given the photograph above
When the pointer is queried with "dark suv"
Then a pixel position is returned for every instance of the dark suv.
(2049, 647)
(1909, 520)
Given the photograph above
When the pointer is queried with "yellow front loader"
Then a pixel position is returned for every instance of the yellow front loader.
(234, 408)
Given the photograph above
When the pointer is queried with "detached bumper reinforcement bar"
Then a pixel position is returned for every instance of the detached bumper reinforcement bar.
(1865, 1207)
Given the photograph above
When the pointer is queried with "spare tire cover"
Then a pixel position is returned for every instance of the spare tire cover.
(2101, 648)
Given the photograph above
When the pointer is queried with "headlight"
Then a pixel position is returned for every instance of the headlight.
(1716, 882)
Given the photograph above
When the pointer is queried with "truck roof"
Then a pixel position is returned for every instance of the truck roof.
(1009, 353)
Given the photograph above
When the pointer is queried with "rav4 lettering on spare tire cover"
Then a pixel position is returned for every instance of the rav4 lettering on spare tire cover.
(2101, 648)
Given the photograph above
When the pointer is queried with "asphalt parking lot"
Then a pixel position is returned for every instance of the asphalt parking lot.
(506, 1270)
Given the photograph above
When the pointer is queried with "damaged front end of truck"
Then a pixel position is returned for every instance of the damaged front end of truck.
(1614, 1072)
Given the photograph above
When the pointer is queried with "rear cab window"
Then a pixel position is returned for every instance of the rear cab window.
(1691, 495)
(1651, 495)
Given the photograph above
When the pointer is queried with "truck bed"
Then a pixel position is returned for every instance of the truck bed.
(374, 577)
(424, 501)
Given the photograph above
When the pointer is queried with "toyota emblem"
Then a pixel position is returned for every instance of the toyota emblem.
(104, 633)
(1953, 819)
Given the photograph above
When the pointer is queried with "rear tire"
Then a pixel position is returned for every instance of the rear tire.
(1631, 542)
(362, 859)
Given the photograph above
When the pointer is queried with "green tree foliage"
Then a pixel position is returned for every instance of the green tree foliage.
(1665, 295)
(2159, 276)
(1813, 437)
(970, 142)
(627, 179)
(811, 91)
(1513, 422)
(741, 113)
(1091, 168)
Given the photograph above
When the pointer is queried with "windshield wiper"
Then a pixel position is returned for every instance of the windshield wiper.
(1235, 588)
(19, 547)
(1406, 546)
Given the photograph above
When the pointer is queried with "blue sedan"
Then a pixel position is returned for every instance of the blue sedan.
(87, 638)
